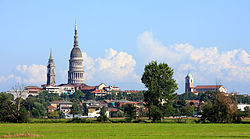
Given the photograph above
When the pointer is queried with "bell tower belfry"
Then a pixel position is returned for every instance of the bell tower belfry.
(189, 83)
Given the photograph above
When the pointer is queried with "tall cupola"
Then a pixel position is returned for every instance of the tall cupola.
(76, 73)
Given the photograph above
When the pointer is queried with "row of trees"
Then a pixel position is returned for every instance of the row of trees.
(160, 98)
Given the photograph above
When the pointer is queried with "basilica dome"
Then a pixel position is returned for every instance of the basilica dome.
(76, 52)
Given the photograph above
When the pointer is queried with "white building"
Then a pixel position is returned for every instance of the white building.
(67, 89)
(111, 88)
(53, 89)
(242, 106)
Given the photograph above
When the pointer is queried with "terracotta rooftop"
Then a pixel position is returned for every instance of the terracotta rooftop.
(99, 91)
(33, 87)
(51, 107)
(207, 86)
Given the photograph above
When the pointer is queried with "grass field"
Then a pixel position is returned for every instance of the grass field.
(124, 130)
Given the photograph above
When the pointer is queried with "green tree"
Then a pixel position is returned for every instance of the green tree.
(103, 117)
(78, 96)
(221, 109)
(89, 96)
(75, 109)
(53, 114)
(187, 110)
(103, 111)
(130, 112)
(158, 78)
(9, 111)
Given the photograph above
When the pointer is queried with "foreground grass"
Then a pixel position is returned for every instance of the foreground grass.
(125, 130)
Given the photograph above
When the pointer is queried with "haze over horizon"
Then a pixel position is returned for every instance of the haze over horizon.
(209, 39)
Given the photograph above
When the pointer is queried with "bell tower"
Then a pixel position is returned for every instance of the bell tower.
(51, 71)
(189, 83)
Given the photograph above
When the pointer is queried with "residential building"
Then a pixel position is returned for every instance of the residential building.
(53, 89)
(111, 88)
(56, 103)
(132, 91)
(65, 106)
(100, 92)
(33, 90)
(67, 89)
(242, 106)
(100, 86)
(86, 88)
(51, 108)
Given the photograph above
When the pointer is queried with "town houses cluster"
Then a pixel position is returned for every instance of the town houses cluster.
(76, 81)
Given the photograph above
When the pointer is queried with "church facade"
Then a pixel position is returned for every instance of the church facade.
(189, 86)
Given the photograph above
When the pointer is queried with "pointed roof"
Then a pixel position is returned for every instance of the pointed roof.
(189, 75)
(76, 52)
(75, 37)
(50, 57)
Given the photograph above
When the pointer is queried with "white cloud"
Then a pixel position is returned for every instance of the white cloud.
(207, 64)
(115, 67)
(6, 78)
(33, 74)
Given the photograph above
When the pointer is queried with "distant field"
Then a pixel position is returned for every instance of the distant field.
(124, 130)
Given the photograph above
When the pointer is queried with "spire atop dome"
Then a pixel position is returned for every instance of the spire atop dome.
(50, 57)
(75, 23)
(75, 37)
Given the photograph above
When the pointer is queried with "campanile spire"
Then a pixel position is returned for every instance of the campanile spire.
(51, 71)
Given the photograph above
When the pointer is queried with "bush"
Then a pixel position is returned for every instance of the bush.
(79, 120)
(220, 110)
(103, 119)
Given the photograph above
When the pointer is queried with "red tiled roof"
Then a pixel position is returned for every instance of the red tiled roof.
(99, 91)
(194, 101)
(195, 92)
(56, 101)
(67, 85)
(207, 86)
(132, 91)
(112, 109)
(51, 107)
(86, 87)
(33, 87)
(107, 101)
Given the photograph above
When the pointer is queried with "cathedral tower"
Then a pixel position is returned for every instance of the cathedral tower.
(76, 73)
(189, 83)
(51, 71)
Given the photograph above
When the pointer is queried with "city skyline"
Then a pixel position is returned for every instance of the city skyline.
(208, 39)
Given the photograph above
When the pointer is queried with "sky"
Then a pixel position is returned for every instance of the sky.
(209, 39)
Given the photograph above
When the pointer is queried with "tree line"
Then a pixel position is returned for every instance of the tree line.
(160, 100)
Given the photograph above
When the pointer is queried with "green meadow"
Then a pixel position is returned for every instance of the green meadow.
(124, 130)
